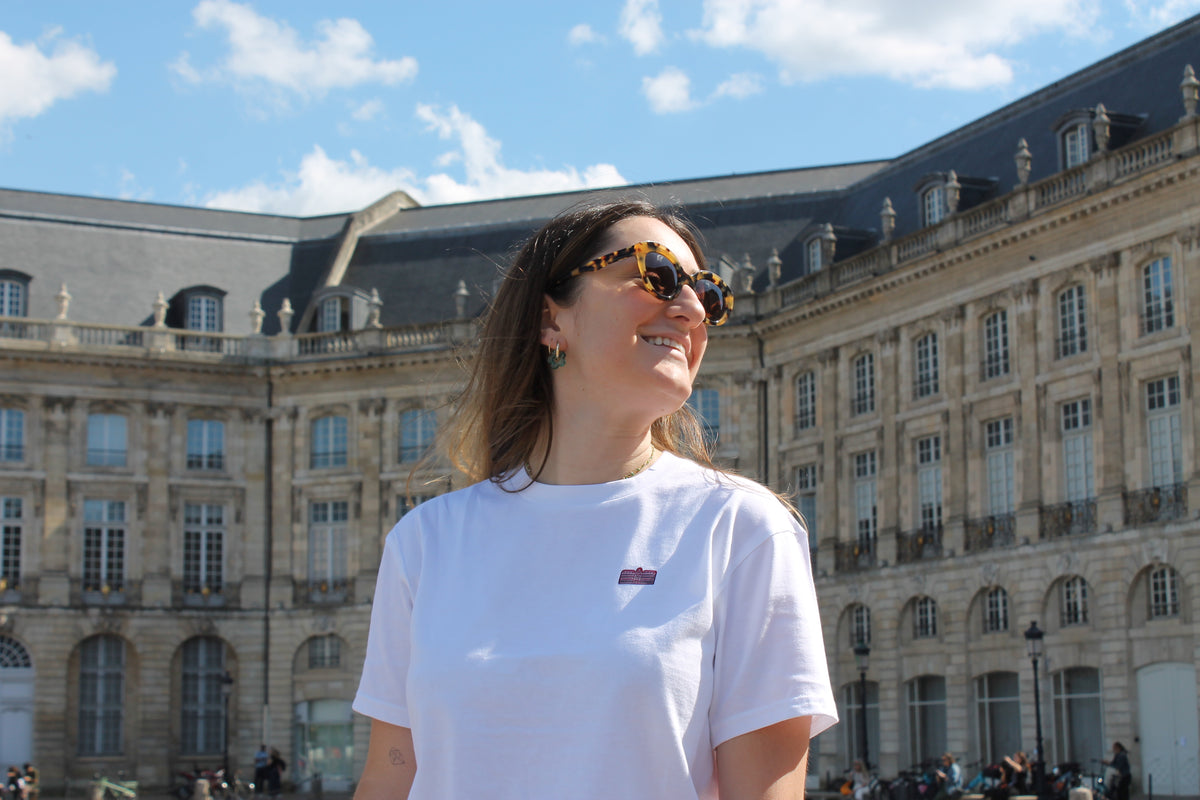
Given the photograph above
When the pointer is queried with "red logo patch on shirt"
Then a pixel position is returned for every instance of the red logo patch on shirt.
(638, 577)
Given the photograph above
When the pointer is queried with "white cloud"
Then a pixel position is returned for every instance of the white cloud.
(130, 189)
(36, 76)
(368, 110)
(325, 185)
(936, 43)
(669, 92)
(1162, 13)
(263, 52)
(582, 34)
(741, 85)
(641, 25)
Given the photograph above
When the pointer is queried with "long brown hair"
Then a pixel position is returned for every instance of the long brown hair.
(507, 406)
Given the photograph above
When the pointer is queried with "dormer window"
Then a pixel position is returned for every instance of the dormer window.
(933, 205)
(14, 293)
(204, 313)
(333, 315)
(1076, 141)
(813, 254)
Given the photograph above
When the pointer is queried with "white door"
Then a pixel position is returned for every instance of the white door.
(16, 703)
(1169, 727)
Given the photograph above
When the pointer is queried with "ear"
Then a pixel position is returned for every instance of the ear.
(551, 332)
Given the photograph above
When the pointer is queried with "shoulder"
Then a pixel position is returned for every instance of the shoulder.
(734, 496)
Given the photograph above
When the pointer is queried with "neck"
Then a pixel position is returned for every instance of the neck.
(583, 453)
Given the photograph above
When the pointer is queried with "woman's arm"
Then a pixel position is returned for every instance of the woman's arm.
(391, 764)
(766, 764)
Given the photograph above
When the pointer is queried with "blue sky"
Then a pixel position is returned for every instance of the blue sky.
(299, 107)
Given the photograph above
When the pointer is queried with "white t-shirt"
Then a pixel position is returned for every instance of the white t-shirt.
(593, 641)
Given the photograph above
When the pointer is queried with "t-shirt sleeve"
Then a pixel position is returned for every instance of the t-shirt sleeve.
(769, 660)
(381, 690)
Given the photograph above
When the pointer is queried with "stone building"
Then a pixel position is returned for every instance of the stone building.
(972, 365)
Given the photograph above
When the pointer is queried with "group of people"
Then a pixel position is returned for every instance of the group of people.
(268, 771)
(21, 783)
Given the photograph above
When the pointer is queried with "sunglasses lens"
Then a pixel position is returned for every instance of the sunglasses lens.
(662, 275)
(712, 298)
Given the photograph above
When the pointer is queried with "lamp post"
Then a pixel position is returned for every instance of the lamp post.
(226, 690)
(1033, 645)
(862, 655)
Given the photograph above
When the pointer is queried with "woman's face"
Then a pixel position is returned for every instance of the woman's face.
(628, 352)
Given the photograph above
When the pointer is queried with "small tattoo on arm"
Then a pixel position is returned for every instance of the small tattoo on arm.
(397, 757)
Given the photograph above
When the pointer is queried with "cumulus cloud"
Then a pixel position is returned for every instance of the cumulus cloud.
(325, 185)
(1162, 13)
(937, 43)
(641, 25)
(367, 111)
(38, 75)
(669, 92)
(266, 53)
(741, 85)
(582, 34)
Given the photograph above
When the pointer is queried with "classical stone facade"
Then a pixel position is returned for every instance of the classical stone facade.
(980, 391)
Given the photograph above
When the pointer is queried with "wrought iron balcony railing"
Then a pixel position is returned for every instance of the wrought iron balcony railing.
(1156, 504)
(919, 545)
(995, 531)
(1075, 518)
(854, 556)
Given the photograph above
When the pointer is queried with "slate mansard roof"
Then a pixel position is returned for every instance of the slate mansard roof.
(115, 256)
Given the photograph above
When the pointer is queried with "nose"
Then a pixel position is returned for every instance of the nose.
(687, 306)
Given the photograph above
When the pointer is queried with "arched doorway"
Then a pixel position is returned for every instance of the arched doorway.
(16, 702)
(1169, 727)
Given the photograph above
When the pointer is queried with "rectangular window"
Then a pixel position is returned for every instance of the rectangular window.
(806, 500)
(933, 203)
(926, 701)
(205, 444)
(203, 548)
(11, 509)
(862, 625)
(1158, 296)
(929, 481)
(998, 434)
(706, 404)
(329, 442)
(863, 400)
(865, 509)
(103, 546)
(1077, 713)
(1077, 450)
(814, 254)
(332, 315)
(806, 401)
(327, 546)
(1164, 432)
(106, 440)
(926, 374)
(995, 345)
(12, 434)
(998, 713)
(12, 298)
(1072, 322)
(101, 695)
(418, 428)
(925, 619)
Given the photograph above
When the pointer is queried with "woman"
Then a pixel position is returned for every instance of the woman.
(604, 614)
(860, 781)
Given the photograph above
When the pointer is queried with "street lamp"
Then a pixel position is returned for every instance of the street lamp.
(226, 690)
(1033, 645)
(862, 655)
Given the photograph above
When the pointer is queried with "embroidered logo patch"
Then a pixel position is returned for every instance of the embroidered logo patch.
(638, 577)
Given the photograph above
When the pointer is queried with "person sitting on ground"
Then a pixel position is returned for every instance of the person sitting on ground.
(950, 779)
(860, 781)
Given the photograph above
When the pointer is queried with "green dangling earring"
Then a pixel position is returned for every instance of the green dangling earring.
(556, 358)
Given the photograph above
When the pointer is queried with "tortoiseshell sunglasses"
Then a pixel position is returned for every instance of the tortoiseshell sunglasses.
(663, 277)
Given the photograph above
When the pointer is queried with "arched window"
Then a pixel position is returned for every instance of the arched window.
(998, 715)
(995, 610)
(101, 696)
(202, 726)
(325, 652)
(925, 618)
(1073, 601)
(1164, 593)
(925, 704)
(860, 625)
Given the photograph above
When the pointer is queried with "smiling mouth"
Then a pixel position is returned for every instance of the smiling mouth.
(662, 341)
